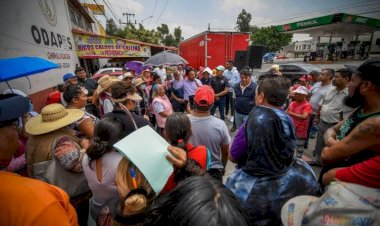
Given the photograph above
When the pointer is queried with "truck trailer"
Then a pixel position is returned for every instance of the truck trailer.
(213, 48)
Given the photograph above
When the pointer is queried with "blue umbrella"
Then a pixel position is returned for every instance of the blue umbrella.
(13, 68)
(165, 58)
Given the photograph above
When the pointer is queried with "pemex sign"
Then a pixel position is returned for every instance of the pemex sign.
(305, 23)
(329, 19)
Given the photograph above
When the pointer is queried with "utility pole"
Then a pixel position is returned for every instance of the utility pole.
(128, 16)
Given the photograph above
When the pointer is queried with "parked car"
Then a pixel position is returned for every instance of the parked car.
(108, 70)
(294, 71)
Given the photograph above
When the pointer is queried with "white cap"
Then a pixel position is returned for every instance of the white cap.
(208, 70)
(302, 90)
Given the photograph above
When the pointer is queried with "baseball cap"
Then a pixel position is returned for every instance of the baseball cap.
(208, 70)
(220, 68)
(369, 70)
(341, 203)
(204, 96)
(68, 76)
(12, 106)
(302, 90)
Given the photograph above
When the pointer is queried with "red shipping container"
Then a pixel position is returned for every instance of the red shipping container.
(210, 48)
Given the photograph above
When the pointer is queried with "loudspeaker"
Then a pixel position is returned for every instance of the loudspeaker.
(255, 56)
(240, 59)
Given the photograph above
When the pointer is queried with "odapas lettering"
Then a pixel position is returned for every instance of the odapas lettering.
(42, 36)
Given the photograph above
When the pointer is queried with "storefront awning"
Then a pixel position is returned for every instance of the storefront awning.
(90, 45)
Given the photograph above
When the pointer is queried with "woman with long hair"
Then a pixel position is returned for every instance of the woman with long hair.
(100, 163)
(177, 132)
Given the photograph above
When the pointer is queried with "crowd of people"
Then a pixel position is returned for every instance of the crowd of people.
(60, 167)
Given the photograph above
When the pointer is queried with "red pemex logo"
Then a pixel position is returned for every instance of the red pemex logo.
(286, 27)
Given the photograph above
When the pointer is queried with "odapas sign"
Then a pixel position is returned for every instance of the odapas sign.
(38, 28)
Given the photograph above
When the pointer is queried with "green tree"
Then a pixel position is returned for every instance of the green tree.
(111, 28)
(253, 29)
(168, 39)
(177, 35)
(271, 38)
(163, 30)
(139, 33)
(243, 20)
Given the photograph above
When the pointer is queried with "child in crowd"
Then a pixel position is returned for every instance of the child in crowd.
(178, 132)
(300, 110)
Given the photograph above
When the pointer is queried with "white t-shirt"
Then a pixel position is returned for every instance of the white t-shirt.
(161, 73)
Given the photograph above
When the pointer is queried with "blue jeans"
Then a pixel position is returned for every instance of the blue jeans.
(221, 104)
(240, 119)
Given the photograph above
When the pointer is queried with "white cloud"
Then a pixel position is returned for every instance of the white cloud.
(187, 30)
(248, 5)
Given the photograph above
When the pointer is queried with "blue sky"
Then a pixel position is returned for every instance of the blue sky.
(194, 15)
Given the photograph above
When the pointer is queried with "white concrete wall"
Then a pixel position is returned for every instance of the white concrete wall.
(25, 31)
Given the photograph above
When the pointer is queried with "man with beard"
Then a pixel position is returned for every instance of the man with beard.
(352, 151)
(90, 85)
(331, 108)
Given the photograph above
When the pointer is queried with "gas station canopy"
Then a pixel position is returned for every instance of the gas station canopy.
(335, 24)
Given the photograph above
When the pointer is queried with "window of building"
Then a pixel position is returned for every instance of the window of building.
(87, 26)
(79, 19)
(72, 15)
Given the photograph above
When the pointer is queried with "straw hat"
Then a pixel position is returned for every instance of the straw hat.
(134, 96)
(106, 82)
(127, 75)
(52, 117)
(139, 81)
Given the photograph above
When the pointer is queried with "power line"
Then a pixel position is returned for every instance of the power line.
(101, 10)
(154, 10)
(163, 9)
(109, 5)
(112, 12)
(131, 6)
